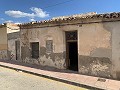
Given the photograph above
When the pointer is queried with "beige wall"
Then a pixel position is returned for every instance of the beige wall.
(98, 47)
(116, 49)
(94, 40)
(41, 35)
(3, 42)
(3, 38)
(12, 36)
(95, 50)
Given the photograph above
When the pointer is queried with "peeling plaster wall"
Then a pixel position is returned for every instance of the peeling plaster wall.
(95, 50)
(12, 49)
(13, 35)
(41, 35)
(3, 54)
(98, 47)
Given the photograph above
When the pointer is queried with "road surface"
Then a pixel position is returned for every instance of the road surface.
(17, 80)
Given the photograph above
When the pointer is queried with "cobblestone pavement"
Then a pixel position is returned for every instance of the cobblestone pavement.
(17, 80)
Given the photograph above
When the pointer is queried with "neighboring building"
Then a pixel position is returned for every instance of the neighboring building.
(87, 43)
(13, 37)
(3, 42)
(9, 35)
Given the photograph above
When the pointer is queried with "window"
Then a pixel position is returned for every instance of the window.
(71, 35)
(49, 46)
(35, 50)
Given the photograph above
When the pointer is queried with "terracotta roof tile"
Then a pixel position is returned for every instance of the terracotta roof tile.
(77, 17)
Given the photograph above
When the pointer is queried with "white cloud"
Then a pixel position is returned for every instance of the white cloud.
(32, 19)
(18, 23)
(18, 14)
(37, 12)
(9, 21)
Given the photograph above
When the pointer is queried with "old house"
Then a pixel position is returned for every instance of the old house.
(3, 42)
(9, 35)
(87, 43)
(13, 39)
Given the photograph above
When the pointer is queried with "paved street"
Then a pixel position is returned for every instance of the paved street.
(16, 80)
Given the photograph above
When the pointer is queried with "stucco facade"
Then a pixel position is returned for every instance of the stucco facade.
(56, 58)
(13, 39)
(97, 39)
(52, 43)
(9, 33)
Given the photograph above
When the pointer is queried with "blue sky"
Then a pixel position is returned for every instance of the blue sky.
(19, 11)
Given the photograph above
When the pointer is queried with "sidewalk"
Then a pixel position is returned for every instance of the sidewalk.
(93, 83)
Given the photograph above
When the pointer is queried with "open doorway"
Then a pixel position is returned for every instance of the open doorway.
(72, 50)
(73, 56)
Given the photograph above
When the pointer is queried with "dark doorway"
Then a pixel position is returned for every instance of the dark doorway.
(71, 50)
(73, 56)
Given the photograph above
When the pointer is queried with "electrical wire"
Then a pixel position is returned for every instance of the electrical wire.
(57, 4)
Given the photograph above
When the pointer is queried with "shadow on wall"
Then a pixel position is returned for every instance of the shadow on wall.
(46, 68)
(101, 52)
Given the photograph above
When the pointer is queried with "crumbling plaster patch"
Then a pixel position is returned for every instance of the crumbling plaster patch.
(58, 63)
(54, 59)
(96, 66)
(11, 49)
(3, 54)
(46, 61)
(95, 50)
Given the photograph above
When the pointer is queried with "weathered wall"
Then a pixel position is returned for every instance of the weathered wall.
(41, 35)
(3, 42)
(116, 49)
(98, 47)
(3, 38)
(95, 50)
(13, 35)
(12, 38)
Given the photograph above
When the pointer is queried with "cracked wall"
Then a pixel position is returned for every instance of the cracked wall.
(54, 59)
(95, 50)
(13, 35)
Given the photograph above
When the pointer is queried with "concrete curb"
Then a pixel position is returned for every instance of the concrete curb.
(54, 78)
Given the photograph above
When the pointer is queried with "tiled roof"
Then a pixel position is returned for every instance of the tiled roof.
(77, 17)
